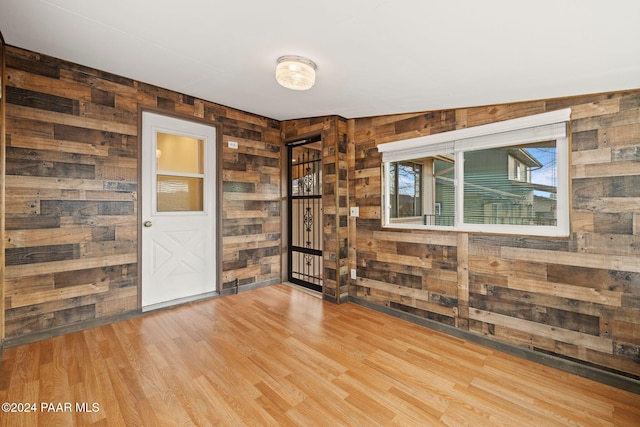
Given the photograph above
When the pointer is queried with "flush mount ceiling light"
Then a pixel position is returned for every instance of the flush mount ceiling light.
(295, 72)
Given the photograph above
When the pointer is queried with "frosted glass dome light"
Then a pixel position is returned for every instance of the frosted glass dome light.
(296, 72)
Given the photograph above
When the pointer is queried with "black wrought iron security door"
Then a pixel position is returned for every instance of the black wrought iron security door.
(305, 213)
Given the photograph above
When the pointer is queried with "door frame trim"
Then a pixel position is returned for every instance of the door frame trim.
(218, 198)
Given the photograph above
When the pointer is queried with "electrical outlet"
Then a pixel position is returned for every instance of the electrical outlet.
(355, 211)
(233, 144)
(353, 274)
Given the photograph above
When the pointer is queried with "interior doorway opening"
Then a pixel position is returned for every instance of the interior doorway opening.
(305, 213)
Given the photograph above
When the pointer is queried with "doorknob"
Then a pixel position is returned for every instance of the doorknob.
(147, 224)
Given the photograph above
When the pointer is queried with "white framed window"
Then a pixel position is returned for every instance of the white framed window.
(509, 177)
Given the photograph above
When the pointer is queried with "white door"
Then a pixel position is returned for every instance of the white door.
(178, 209)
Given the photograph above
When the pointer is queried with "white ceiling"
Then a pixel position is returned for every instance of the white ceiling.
(374, 57)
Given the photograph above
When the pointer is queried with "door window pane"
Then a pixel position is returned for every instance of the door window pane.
(176, 193)
(179, 154)
(180, 173)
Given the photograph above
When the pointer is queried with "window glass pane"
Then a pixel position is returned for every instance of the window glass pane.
(180, 194)
(179, 154)
(514, 185)
(406, 189)
(444, 209)
(393, 193)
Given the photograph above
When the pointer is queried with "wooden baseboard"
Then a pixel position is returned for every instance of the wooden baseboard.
(586, 371)
(329, 298)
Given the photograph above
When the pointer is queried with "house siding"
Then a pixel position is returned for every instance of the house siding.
(577, 298)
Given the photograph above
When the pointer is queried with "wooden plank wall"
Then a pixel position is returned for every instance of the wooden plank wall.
(2, 186)
(72, 191)
(578, 298)
(342, 209)
(333, 131)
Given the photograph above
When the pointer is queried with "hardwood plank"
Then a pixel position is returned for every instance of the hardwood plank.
(603, 345)
(16, 271)
(463, 278)
(430, 238)
(42, 183)
(609, 169)
(41, 101)
(597, 108)
(624, 263)
(600, 155)
(575, 292)
(23, 112)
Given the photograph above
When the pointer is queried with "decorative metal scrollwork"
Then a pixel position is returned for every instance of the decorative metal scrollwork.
(308, 180)
(308, 220)
(308, 260)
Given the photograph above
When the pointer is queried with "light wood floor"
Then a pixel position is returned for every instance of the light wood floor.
(278, 356)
